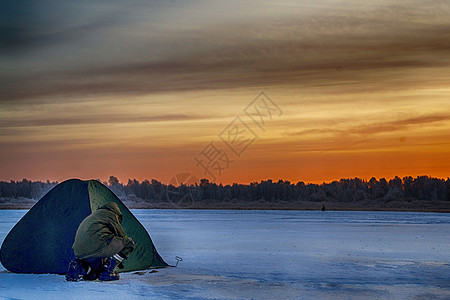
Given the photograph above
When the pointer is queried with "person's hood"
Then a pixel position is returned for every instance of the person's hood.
(112, 206)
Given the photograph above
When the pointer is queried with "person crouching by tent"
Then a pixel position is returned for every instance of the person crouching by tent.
(100, 246)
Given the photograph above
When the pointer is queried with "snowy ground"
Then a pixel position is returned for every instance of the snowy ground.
(270, 255)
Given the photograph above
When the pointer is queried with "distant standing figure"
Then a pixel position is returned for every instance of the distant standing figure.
(324, 208)
(100, 246)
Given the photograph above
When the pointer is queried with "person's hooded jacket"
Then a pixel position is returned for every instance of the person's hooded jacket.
(97, 230)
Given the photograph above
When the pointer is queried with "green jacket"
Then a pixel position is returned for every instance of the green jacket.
(96, 231)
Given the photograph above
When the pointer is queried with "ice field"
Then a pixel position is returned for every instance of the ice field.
(270, 255)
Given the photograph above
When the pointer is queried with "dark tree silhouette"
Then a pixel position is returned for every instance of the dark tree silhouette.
(408, 192)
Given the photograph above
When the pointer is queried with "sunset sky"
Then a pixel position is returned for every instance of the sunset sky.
(140, 89)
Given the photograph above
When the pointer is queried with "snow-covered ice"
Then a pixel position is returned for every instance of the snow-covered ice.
(270, 255)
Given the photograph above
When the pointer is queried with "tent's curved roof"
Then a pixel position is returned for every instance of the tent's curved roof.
(41, 242)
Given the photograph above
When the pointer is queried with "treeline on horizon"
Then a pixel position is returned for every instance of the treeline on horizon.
(396, 192)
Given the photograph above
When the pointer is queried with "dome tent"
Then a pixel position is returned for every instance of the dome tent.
(41, 242)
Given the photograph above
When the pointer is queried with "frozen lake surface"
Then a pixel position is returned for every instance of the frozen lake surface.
(270, 255)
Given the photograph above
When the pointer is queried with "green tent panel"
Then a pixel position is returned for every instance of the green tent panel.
(41, 242)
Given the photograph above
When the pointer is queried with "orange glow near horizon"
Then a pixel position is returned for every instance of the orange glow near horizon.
(321, 141)
(363, 88)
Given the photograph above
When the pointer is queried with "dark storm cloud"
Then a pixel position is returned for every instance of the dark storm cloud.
(29, 24)
(366, 49)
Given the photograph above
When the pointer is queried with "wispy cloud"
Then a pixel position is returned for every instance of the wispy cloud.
(369, 49)
(398, 125)
(92, 119)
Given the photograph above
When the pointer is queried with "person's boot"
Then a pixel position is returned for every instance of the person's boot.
(74, 271)
(108, 272)
(92, 267)
(88, 272)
